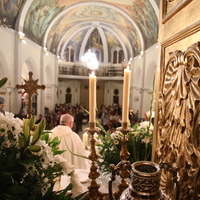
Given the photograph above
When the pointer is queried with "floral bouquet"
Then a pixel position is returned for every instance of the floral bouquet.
(139, 146)
(30, 161)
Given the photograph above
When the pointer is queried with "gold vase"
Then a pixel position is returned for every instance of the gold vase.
(145, 182)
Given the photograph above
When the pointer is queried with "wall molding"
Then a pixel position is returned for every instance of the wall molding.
(168, 15)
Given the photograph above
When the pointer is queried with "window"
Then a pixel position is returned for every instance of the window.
(117, 55)
(69, 54)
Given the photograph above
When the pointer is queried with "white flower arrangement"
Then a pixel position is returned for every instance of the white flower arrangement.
(30, 161)
(139, 145)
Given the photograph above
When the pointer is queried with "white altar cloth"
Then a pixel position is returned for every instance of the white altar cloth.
(85, 181)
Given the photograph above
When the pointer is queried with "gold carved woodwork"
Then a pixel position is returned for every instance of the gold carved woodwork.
(124, 155)
(93, 188)
(172, 7)
(178, 133)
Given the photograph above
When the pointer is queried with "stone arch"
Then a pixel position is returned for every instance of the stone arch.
(29, 65)
(48, 75)
(138, 77)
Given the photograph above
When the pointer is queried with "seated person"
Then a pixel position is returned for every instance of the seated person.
(70, 140)
(39, 119)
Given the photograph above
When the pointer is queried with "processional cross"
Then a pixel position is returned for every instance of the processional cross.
(30, 87)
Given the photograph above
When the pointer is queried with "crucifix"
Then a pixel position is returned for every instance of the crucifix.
(30, 87)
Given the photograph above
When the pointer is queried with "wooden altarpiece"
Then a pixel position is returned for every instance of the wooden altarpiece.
(178, 121)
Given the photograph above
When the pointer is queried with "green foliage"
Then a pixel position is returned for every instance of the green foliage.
(3, 81)
(53, 143)
(139, 146)
(61, 195)
(29, 161)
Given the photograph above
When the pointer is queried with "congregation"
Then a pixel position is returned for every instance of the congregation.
(109, 116)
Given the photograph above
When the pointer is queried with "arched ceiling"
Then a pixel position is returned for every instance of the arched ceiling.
(55, 24)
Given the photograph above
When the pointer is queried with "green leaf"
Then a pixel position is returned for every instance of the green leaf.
(22, 141)
(34, 148)
(26, 129)
(32, 122)
(75, 153)
(36, 136)
(17, 189)
(58, 152)
(3, 81)
(42, 125)
(45, 137)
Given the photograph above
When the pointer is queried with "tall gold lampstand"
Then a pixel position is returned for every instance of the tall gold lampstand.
(124, 155)
(93, 188)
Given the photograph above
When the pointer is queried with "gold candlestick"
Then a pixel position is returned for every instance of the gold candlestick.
(93, 188)
(124, 155)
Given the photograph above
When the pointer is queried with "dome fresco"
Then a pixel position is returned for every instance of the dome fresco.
(133, 24)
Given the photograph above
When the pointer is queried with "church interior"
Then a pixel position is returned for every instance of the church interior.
(46, 40)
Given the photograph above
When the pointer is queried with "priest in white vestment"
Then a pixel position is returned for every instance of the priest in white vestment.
(70, 140)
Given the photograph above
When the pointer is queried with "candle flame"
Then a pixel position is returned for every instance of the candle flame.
(92, 73)
(129, 65)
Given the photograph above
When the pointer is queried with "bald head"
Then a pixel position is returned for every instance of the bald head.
(67, 120)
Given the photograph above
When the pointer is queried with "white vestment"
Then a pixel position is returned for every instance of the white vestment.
(74, 143)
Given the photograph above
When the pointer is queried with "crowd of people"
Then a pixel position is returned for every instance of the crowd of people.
(108, 116)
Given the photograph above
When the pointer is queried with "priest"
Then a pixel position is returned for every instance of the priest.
(71, 142)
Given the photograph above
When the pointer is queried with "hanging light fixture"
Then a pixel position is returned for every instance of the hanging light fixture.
(90, 61)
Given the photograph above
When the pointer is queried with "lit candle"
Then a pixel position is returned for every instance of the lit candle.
(92, 98)
(126, 90)
(85, 139)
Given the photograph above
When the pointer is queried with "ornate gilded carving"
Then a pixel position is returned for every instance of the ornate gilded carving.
(178, 135)
(124, 155)
(93, 188)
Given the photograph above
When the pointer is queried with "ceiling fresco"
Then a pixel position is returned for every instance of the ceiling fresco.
(51, 23)
(9, 11)
(103, 15)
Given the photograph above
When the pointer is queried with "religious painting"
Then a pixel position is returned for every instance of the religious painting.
(75, 40)
(9, 11)
(68, 98)
(100, 13)
(39, 17)
(145, 17)
(116, 99)
(41, 14)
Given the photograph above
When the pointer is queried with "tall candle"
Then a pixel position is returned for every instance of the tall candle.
(126, 90)
(92, 98)
(85, 139)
